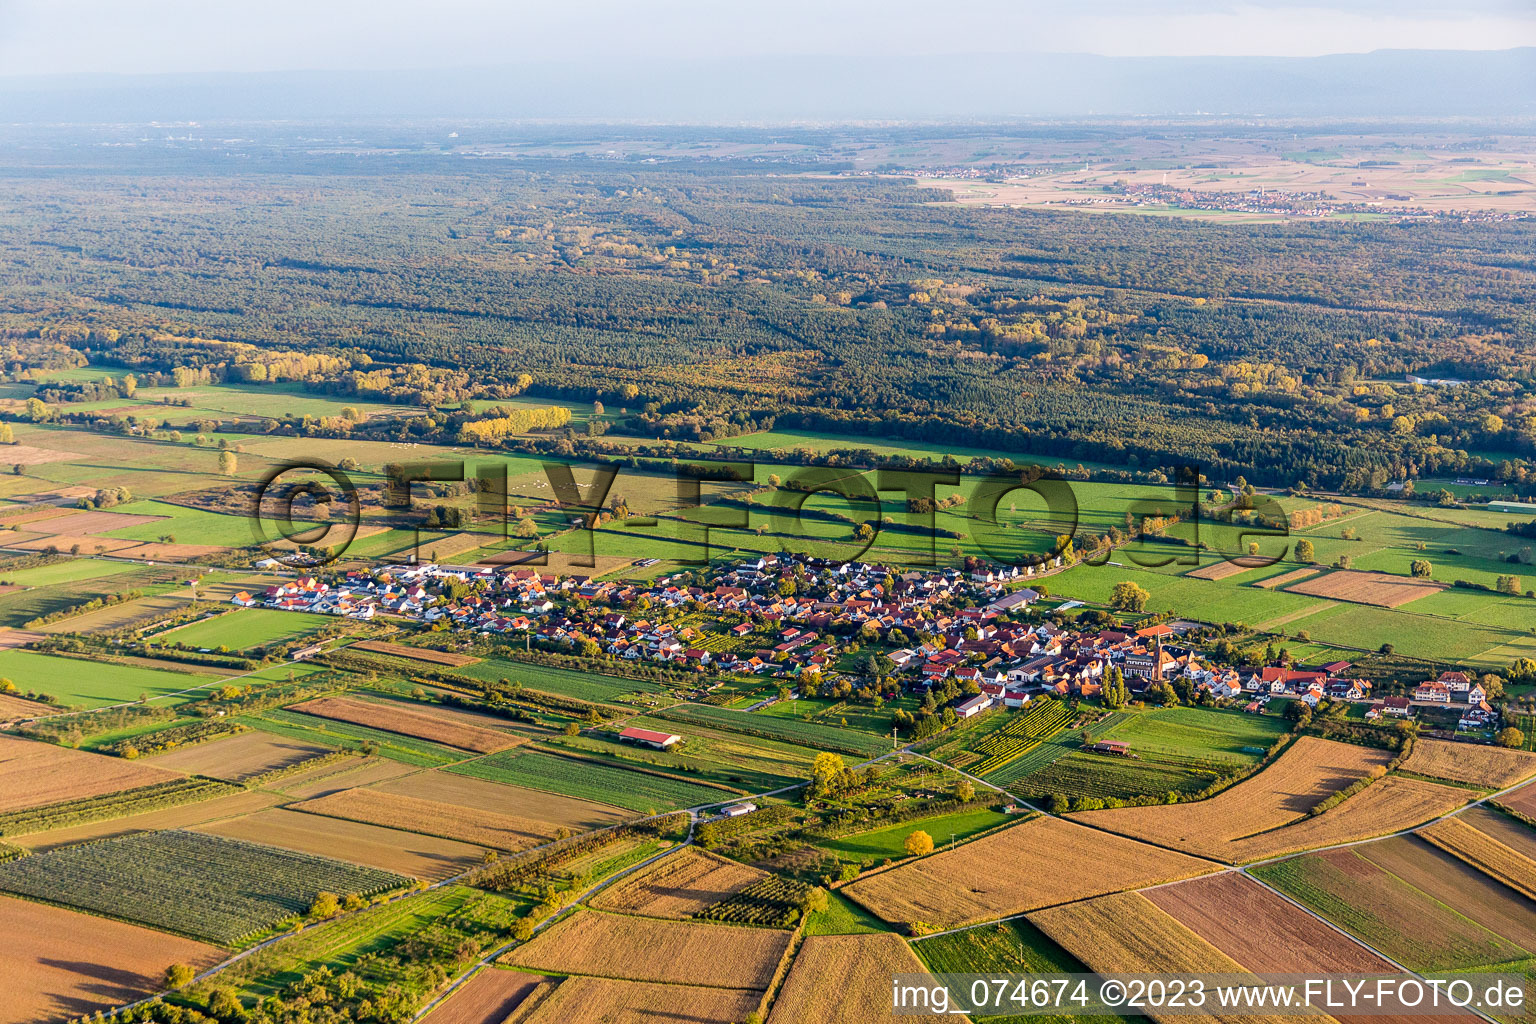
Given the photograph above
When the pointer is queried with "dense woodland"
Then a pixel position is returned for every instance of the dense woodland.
(705, 301)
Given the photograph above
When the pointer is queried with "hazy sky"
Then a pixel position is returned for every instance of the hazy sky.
(48, 36)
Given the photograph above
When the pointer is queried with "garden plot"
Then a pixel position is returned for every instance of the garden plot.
(1380, 589)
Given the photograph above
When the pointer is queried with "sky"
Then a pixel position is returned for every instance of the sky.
(148, 36)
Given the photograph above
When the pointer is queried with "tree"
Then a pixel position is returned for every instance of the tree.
(227, 463)
(824, 772)
(814, 901)
(964, 791)
(178, 975)
(526, 528)
(1420, 568)
(918, 844)
(326, 904)
(1510, 737)
(1305, 551)
(7, 435)
(1128, 597)
(1507, 584)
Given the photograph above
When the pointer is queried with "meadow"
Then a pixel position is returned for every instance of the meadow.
(880, 844)
(590, 780)
(328, 733)
(779, 726)
(245, 628)
(95, 684)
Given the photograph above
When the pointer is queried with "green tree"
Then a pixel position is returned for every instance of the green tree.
(1128, 597)
(178, 975)
(1305, 551)
(964, 791)
(1420, 568)
(1510, 737)
(227, 463)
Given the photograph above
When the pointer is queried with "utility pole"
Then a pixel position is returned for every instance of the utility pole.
(951, 842)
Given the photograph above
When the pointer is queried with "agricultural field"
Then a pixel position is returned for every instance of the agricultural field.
(779, 726)
(33, 773)
(882, 843)
(238, 757)
(176, 816)
(1513, 833)
(428, 817)
(1469, 844)
(558, 681)
(94, 684)
(624, 948)
(1489, 767)
(1405, 915)
(490, 994)
(219, 890)
(952, 889)
(773, 901)
(1358, 587)
(843, 917)
(631, 1002)
(591, 780)
(463, 790)
(445, 658)
(331, 733)
(846, 979)
(678, 886)
(60, 964)
(72, 570)
(384, 849)
(245, 628)
(415, 721)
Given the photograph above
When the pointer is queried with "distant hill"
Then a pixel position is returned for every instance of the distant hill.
(1415, 83)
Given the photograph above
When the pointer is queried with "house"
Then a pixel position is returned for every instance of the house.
(1432, 692)
(1399, 707)
(1117, 747)
(973, 705)
(650, 738)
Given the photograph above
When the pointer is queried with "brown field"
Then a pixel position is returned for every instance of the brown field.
(32, 514)
(444, 548)
(1260, 930)
(605, 1001)
(493, 796)
(404, 853)
(561, 562)
(678, 886)
(1126, 933)
(1493, 767)
(409, 721)
(143, 610)
(60, 964)
(28, 455)
(1522, 800)
(234, 805)
(1380, 589)
(846, 979)
(65, 541)
(34, 773)
(334, 777)
(1514, 834)
(239, 757)
(1448, 881)
(87, 523)
(169, 552)
(1483, 852)
(975, 883)
(487, 998)
(627, 948)
(1218, 570)
(1309, 771)
(14, 709)
(1388, 806)
(466, 824)
(1288, 577)
(415, 653)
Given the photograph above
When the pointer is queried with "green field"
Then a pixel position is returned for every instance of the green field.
(878, 844)
(781, 727)
(843, 917)
(330, 733)
(69, 571)
(587, 780)
(245, 628)
(93, 684)
(206, 887)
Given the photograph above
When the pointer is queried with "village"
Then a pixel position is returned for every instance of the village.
(980, 636)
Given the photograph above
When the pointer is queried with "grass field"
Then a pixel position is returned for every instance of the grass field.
(559, 681)
(843, 917)
(328, 733)
(93, 684)
(590, 781)
(215, 889)
(879, 844)
(780, 727)
(245, 628)
(72, 571)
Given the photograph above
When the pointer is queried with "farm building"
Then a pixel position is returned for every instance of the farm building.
(973, 705)
(1116, 747)
(650, 738)
(1518, 507)
(737, 810)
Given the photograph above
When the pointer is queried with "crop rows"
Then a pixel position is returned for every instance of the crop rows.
(590, 780)
(779, 727)
(772, 902)
(112, 805)
(1037, 724)
(207, 887)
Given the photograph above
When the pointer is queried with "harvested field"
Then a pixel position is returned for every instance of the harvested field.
(1287, 578)
(1514, 834)
(956, 888)
(33, 514)
(1380, 589)
(1493, 767)
(1218, 570)
(609, 946)
(334, 777)
(66, 541)
(141, 611)
(846, 979)
(604, 1001)
(1446, 879)
(181, 816)
(1522, 800)
(1126, 933)
(1308, 772)
(239, 757)
(429, 817)
(404, 853)
(415, 653)
(15, 709)
(30, 455)
(87, 523)
(1483, 852)
(409, 721)
(533, 804)
(33, 773)
(169, 552)
(60, 964)
(1262, 931)
(487, 998)
(1392, 915)
(678, 886)
(1388, 806)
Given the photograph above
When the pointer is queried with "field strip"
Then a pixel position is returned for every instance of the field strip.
(1290, 617)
